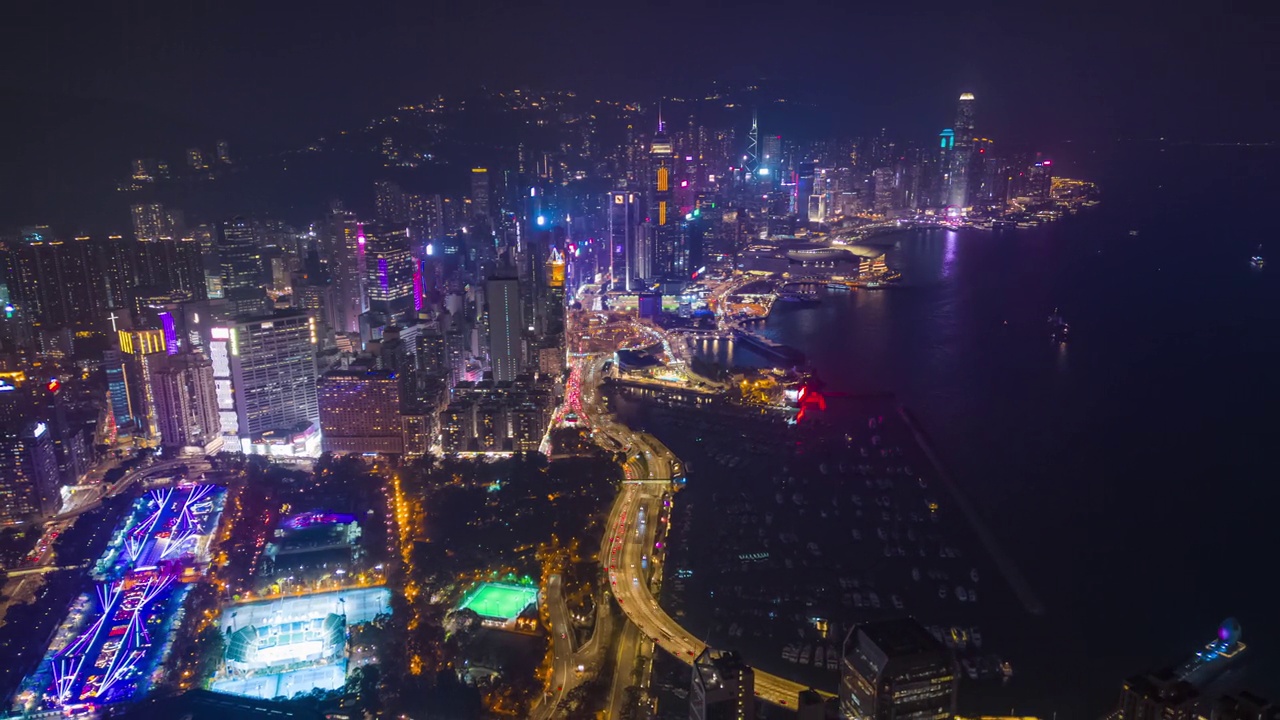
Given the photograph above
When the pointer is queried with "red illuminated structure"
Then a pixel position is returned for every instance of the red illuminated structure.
(810, 397)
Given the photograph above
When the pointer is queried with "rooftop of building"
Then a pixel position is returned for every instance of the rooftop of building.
(900, 637)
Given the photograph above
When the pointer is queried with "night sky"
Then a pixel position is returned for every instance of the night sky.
(135, 74)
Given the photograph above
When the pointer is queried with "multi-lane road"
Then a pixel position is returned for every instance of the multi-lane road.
(632, 548)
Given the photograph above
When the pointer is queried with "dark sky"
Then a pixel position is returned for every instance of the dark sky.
(1065, 68)
(86, 80)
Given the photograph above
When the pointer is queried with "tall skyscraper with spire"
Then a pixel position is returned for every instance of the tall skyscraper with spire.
(752, 162)
(962, 152)
(663, 226)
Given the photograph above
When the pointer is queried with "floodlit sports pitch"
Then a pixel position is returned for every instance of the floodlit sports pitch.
(499, 601)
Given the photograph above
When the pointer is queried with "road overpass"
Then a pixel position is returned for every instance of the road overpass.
(627, 550)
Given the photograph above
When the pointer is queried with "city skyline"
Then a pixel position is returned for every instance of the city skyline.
(483, 360)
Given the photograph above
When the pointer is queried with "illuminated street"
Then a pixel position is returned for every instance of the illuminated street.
(628, 551)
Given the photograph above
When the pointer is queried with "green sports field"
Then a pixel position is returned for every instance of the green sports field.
(499, 600)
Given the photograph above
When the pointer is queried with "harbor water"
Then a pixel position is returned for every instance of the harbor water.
(1127, 472)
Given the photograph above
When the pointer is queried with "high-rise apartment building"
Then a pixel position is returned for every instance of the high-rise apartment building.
(457, 427)
(196, 160)
(272, 368)
(391, 203)
(506, 327)
(360, 412)
(151, 222)
(885, 188)
(896, 669)
(28, 471)
(723, 687)
(186, 403)
(173, 266)
(58, 283)
(242, 272)
(342, 248)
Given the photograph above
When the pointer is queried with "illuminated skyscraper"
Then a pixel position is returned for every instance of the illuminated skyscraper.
(555, 294)
(140, 349)
(664, 229)
(960, 154)
(151, 222)
(886, 189)
(242, 272)
(480, 197)
(803, 189)
(118, 388)
(392, 203)
(506, 357)
(771, 156)
(172, 265)
(389, 270)
(28, 470)
(896, 669)
(58, 283)
(272, 368)
(723, 687)
(624, 230)
(939, 169)
(342, 246)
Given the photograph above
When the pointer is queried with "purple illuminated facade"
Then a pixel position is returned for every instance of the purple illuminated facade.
(127, 617)
(316, 518)
(390, 272)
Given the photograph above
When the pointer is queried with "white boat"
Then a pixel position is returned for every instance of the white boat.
(875, 601)
(833, 659)
(976, 637)
(897, 602)
(819, 656)
(973, 595)
(915, 574)
(961, 594)
(973, 574)
(804, 654)
(942, 592)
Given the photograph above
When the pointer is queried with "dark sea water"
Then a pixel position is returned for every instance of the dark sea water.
(1131, 474)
